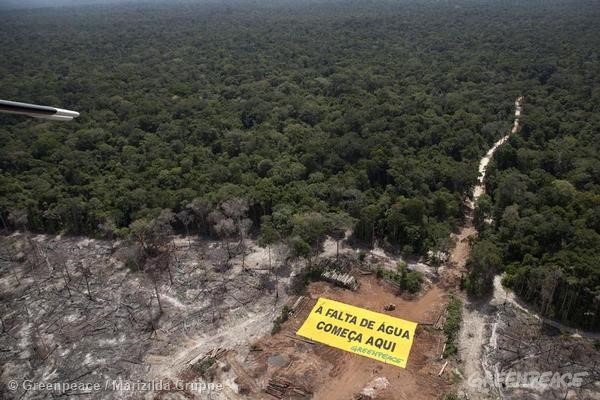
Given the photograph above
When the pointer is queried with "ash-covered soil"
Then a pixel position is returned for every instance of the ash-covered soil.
(521, 356)
(75, 310)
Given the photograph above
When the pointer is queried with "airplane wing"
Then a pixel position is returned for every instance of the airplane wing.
(37, 111)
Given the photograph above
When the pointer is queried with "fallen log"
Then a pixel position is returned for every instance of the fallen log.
(443, 368)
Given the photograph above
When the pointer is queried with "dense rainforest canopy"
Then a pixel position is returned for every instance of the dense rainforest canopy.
(544, 201)
(307, 118)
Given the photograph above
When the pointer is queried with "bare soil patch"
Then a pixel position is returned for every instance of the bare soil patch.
(333, 374)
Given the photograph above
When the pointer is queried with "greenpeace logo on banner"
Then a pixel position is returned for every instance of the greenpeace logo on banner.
(356, 330)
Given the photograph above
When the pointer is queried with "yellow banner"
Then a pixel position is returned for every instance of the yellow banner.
(367, 333)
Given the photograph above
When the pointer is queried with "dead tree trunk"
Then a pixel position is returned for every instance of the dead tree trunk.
(151, 315)
(157, 295)
(167, 261)
(14, 270)
(4, 226)
(65, 268)
(269, 251)
(87, 285)
(243, 256)
(169, 271)
(66, 283)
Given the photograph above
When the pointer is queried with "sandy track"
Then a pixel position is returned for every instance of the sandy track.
(477, 323)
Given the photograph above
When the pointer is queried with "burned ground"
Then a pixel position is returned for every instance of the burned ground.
(78, 310)
(521, 343)
(73, 311)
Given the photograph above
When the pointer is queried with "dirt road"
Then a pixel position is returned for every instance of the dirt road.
(483, 164)
(477, 324)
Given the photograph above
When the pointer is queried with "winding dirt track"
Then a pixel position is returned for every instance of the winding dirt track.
(475, 332)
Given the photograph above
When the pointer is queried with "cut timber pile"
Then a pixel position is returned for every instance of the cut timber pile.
(215, 353)
(279, 387)
(439, 324)
(340, 279)
(299, 338)
(342, 263)
(393, 283)
(299, 305)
